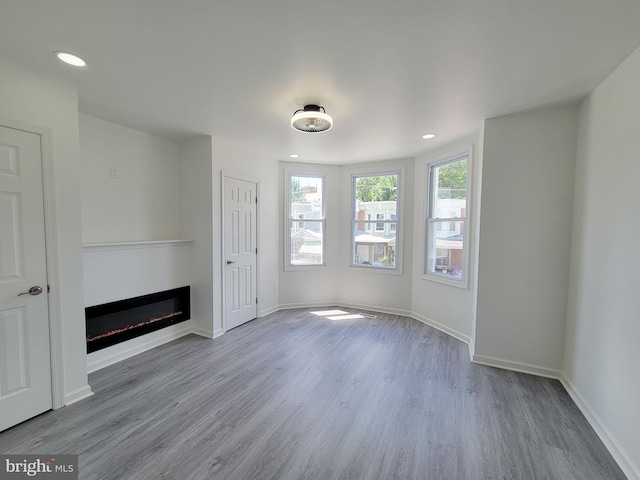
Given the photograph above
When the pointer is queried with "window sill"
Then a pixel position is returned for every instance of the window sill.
(463, 284)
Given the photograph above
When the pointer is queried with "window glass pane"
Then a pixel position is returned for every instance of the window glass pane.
(306, 220)
(450, 190)
(373, 250)
(306, 242)
(374, 232)
(446, 253)
(306, 197)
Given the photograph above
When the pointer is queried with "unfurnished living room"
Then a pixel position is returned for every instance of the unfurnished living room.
(302, 240)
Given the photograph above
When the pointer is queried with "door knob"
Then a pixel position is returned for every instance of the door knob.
(229, 262)
(37, 290)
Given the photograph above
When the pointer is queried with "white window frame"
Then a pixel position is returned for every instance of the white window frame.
(429, 249)
(372, 223)
(290, 219)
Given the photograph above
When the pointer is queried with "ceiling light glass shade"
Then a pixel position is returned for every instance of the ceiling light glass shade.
(70, 59)
(427, 136)
(311, 119)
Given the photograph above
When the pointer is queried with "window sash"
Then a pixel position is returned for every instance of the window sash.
(446, 249)
(306, 244)
(376, 254)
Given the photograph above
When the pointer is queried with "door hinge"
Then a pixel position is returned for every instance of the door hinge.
(256, 300)
(256, 200)
(48, 288)
(256, 251)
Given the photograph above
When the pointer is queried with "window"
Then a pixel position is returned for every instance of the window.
(446, 245)
(306, 222)
(375, 220)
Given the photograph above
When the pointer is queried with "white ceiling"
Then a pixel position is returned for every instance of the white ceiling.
(387, 71)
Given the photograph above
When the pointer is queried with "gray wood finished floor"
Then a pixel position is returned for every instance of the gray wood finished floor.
(297, 396)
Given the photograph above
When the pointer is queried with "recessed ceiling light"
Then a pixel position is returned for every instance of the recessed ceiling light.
(294, 155)
(70, 59)
(427, 136)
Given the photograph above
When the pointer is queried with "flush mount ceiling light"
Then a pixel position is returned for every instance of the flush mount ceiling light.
(427, 136)
(70, 58)
(311, 119)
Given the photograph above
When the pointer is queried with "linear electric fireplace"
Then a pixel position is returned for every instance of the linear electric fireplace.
(116, 322)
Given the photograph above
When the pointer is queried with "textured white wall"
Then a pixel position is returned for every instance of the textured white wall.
(603, 325)
(33, 99)
(143, 202)
(525, 236)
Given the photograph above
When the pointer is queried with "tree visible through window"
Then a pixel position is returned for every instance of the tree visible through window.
(375, 220)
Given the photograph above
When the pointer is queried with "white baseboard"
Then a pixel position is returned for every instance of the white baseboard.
(218, 332)
(290, 306)
(77, 395)
(375, 308)
(110, 355)
(202, 332)
(269, 311)
(517, 366)
(443, 328)
(618, 453)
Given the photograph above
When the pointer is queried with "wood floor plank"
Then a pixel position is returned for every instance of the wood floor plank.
(298, 396)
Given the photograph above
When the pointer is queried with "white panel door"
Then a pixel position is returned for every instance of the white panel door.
(240, 237)
(25, 373)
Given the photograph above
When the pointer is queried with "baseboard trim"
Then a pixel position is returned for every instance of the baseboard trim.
(269, 311)
(517, 366)
(443, 328)
(218, 332)
(376, 308)
(291, 306)
(97, 360)
(202, 332)
(77, 395)
(618, 453)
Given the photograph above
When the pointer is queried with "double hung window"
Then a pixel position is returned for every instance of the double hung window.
(375, 220)
(446, 239)
(305, 221)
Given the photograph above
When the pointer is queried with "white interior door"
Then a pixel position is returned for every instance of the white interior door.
(25, 373)
(240, 238)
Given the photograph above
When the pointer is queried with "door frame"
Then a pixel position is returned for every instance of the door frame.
(255, 181)
(51, 253)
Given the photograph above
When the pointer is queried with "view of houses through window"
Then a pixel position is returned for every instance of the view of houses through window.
(375, 220)
(448, 189)
(306, 220)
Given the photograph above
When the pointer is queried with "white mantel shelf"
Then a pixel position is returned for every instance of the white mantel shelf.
(98, 247)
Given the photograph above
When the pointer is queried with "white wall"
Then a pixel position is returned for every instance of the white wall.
(375, 289)
(448, 308)
(232, 160)
(143, 202)
(525, 235)
(30, 99)
(316, 285)
(117, 272)
(602, 357)
(197, 212)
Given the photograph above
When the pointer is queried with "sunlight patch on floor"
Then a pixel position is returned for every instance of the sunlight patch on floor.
(345, 317)
(327, 313)
(338, 315)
